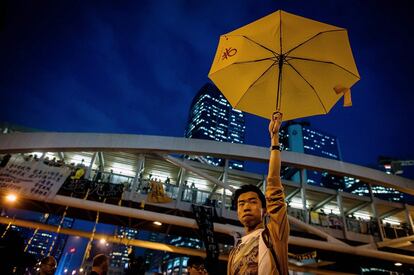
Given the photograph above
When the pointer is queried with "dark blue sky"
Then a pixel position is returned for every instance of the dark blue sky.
(133, 67)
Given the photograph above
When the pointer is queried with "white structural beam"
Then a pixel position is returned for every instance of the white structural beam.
(110, 238)
(313, 230)
(358, 251)
(101, 161)
(342, 214)
(390, 213)
(138, 214)
(61, 155)
(358, 207)
(323, 202)
(136, 181)
(55, 142)
(409, 218)
(138, 243)
(396, 242)
(90, 166)
(197, 171)
(303, 186)
(331, 244)
(181, 186)
(292, 194)
(225, 177)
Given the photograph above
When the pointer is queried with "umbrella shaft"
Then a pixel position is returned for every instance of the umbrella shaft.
(279, 86)
(281, 60)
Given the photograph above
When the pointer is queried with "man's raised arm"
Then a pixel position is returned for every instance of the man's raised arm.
(275, 199)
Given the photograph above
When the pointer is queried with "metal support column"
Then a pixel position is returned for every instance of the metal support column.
(180, 181)
(89, 169)
(409, 218)
(303, 193)
(342, 214)
(136, 181)
(374, 210)
(225, 177)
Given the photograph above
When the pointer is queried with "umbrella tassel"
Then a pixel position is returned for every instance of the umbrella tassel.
(347, 95)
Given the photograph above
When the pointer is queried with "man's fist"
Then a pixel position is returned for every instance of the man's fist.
(274, 125)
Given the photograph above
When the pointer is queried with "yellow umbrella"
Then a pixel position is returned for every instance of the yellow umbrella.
(287, 63)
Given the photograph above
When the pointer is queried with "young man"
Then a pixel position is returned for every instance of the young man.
(47, 266)
(100, 265)
(195, 266)
(264, 248)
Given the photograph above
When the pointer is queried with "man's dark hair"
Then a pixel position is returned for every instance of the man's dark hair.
(47, 259)
(195, 260)
(99, 260)
(249, 188)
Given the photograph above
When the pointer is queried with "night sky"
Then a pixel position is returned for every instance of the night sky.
(134, 66)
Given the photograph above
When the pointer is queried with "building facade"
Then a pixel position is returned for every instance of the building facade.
(42, 243)
(302, 138)
(212, 117)
(119, 256)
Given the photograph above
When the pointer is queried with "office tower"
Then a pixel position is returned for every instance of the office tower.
(212, 117)
(119, 254)
(300, 137)
(177, 264)
(41, 242)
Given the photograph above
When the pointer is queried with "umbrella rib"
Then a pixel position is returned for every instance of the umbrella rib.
(326, 62)
(264, 47)
(257, 60)
(310, 85)
(306, 41)
(251, 85)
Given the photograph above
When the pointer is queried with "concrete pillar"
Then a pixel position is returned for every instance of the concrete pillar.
(180, 181)
(342, 213)
(225, 177)
(89, 169)
(139, 169)
(303, 193)
(409, 218)
(375, 212)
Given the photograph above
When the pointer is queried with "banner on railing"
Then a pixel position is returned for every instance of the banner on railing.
(204, 218)
(32, 178)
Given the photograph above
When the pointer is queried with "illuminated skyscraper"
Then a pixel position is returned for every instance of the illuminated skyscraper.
(212, 117)
(40, 242)
(119, 254)
(300, 137)
(177, 264)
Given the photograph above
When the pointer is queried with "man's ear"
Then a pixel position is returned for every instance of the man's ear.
(264, 212)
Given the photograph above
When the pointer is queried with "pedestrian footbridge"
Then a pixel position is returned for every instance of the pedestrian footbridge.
(135, 180)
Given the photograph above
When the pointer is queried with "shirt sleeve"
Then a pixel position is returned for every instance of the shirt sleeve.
(278, 224)
(277, 209)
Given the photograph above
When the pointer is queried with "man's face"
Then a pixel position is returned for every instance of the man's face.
(249, 209)
(49, 267)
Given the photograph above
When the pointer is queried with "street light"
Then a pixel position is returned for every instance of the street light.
(157, 223)
(102, 241)
(11, 198)
(398, 264)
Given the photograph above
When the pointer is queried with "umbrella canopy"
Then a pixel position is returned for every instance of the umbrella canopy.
(287, 63)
